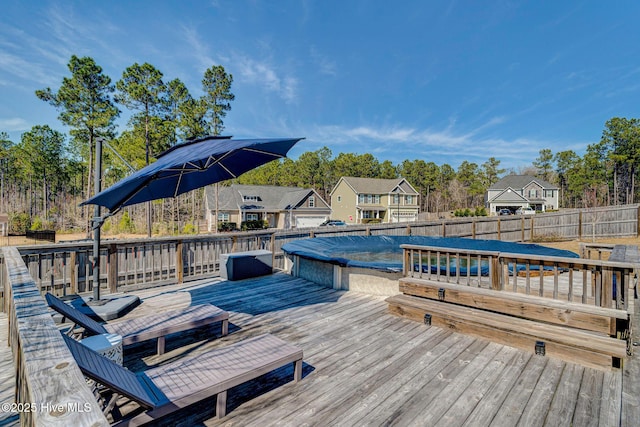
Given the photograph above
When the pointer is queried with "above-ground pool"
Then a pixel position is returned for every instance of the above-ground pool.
(373, 264)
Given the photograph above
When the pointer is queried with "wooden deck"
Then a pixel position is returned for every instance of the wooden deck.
(363, 366)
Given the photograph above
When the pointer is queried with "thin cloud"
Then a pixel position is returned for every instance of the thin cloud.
(324, 64)
(264, 75)
(14, 124)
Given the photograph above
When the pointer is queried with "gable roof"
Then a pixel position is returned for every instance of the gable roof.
(270, 197)
(377, 185)
(509, 196)
(518, 182)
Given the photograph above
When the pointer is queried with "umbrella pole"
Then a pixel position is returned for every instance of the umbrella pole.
(97, 222)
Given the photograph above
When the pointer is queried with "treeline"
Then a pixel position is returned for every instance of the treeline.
(45, 175)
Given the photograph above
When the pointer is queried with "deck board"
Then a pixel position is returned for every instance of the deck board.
(364, 366)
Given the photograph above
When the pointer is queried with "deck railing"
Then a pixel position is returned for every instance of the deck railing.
(132, 264)
(578, 280)
(50, 389)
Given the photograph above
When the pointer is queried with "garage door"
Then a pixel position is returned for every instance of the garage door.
(309, 221)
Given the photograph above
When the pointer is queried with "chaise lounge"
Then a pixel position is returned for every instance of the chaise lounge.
(165, 389)
(144, 328)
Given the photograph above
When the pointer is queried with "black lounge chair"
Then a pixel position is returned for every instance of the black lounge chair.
(147, 327)
(165, 389)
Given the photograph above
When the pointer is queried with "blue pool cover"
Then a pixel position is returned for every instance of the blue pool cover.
(384, 252)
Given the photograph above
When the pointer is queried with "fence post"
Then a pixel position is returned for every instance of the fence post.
(522, 228)
(408, 230)
(499, 229)
(638, 221)
(531, 229)
(579, 225)
(444, 228)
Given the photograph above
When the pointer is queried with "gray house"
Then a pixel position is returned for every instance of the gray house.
(280, 207)
(515, 191)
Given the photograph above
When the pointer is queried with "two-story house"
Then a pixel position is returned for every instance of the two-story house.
(515, 191)
(358, 200)
(280, 207)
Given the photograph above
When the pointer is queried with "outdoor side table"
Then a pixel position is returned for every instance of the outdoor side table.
(108, 345)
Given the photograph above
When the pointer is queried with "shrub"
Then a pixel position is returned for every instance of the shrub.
(253, 225)
(371, 220)
(189, 228)
(19, 223)
(224, 226)
(36, 224)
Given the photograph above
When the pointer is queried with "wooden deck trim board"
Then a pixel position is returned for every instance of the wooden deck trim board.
(571, 345)
(581, 316)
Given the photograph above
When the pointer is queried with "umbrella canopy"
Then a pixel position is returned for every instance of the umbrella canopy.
(192, 165)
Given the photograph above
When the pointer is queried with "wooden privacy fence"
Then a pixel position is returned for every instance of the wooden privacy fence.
(131, 264)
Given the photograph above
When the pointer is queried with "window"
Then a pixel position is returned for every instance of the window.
(376, 199)
(396, 199)
(339, 198)
(360, 198)
(369, 198)
(367, 214)
(312, 201)
(223, 216)
(408, 200)
(251, 198)
(548, 193)
(252, 217)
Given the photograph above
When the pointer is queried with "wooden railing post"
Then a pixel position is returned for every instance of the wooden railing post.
(73, 279)
(273, 249)
(179, 262)
(112, 275)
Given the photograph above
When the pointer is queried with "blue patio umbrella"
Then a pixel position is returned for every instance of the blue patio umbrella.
(192, 165)
(182, 168)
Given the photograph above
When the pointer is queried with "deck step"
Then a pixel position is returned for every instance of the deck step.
(569, 344)
(580, 316)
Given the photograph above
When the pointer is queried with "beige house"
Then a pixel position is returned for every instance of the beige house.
(359, 200)
(280, 207)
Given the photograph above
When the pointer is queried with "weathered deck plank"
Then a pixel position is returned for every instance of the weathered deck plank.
(364, 366)
(7, 375)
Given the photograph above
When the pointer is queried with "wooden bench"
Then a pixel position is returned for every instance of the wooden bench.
(574, 315)
(575, 332)
(176, 385)
(573, 345)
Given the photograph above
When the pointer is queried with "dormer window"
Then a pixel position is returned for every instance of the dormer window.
(246, 198)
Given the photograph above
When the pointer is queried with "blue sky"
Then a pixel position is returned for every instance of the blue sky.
(440, 80)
